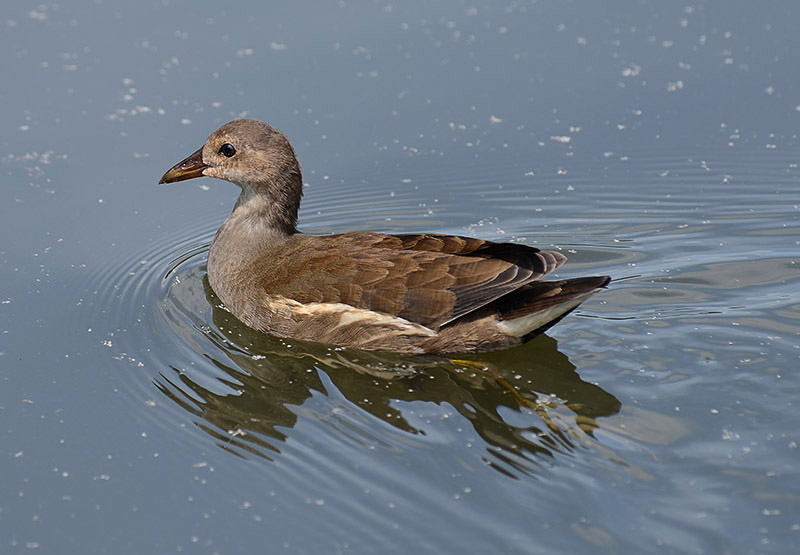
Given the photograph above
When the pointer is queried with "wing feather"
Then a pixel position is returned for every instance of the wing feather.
(428, 279)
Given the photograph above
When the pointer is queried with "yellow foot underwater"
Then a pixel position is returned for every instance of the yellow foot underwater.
(490, 370)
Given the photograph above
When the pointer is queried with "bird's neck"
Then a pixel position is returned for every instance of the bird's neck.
(262, 216)
(257, 224)
(270, 209)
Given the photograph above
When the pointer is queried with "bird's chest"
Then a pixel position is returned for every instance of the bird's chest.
(239, 258)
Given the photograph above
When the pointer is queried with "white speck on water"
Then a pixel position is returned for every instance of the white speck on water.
(632, 71)
(674, 86)
(728, 435)
(38, 15)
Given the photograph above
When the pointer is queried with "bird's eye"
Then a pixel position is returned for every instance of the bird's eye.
(227, 150)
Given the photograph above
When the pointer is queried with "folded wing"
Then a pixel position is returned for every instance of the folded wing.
(429, 279)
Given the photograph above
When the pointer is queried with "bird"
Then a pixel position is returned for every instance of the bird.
(415, 293)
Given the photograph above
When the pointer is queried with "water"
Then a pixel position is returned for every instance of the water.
(652, 142)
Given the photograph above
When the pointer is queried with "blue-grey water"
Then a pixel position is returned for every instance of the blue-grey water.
(652, 141)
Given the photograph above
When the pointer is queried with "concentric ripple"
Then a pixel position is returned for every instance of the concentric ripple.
(186, 359)
(127, 302)
(189, 361)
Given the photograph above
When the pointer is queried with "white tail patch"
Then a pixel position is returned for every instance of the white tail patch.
(519, 327)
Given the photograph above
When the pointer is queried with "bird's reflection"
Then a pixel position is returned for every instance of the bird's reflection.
(272, 376)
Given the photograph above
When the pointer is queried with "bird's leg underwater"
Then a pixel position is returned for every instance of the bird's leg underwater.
(585, 423)
(490, 370)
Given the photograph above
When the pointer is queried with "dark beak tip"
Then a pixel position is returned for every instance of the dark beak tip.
(188, 168)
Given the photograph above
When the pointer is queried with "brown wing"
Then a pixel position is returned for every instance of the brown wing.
(428, 279)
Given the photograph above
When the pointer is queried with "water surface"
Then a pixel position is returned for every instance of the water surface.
(653, 142)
